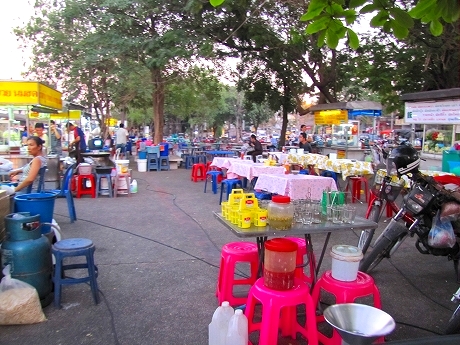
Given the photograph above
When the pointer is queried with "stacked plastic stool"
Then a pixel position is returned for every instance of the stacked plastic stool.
(74, 247)
(163, 163)
(279, 311)
(189, 161)
(232, 254)
(344, 292)
(85, 185)
(229, 184)
(99, 189)
(357, 183)
(198, 172)
(311, 261)
(215, 175)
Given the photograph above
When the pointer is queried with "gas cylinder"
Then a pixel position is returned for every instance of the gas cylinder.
(29, 253)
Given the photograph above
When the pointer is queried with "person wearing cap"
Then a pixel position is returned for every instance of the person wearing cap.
(56, 136)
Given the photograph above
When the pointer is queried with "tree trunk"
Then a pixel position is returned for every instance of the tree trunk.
(158, 105)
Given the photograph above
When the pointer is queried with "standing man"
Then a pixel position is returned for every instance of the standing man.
(56, 136)
(78, 142)
(122, 138)
(257, 147)
(40, 132)
(303, 129)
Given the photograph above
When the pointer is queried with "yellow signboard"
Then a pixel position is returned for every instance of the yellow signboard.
(111, 122)
(331, 117)
(16, 93)
(68, 115)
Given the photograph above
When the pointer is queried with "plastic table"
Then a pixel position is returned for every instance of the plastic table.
(262, 233)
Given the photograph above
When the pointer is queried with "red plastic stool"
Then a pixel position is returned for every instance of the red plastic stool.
(82, 189)
(357, 182)
(344, 292)
(198, 172)
(279, 311)
(301, 252)
(231, 254)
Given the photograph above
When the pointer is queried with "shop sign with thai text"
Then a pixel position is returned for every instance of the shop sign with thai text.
(439, 112)
(331, 117)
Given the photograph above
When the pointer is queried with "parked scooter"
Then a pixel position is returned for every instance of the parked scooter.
(429, 211)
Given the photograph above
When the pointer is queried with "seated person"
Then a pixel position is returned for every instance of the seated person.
(257, 147)
(30, 171)
(304, 144)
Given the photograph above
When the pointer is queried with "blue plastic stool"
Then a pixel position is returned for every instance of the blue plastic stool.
(98, 185)
(189, 161)
(214, 175)
(69, 248)
(163, 163)
(329, 173)
(230, 183)
(201, 159)
(152, 162)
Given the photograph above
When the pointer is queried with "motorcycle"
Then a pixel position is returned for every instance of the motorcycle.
(419, 208)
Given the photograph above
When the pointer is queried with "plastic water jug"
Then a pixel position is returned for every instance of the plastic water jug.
(218, 327)
(280, 261)
(238, 329)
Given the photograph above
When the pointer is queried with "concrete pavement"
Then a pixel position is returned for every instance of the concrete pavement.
(158, 254)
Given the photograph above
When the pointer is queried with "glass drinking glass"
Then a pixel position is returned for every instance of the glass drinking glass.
(337, 215)
(307, 217)
(349, 214)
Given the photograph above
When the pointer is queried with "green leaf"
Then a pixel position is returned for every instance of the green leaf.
(421, 8)
(369, 8)
(387, 27)
(353, 40)
(402, 17)
(216, 3)
(332, 40)
(314, 9)
(356, 3)
(317, 25)
(341, 32)
(399, 31)
(321, 38)
(436, 28)
(379, 19)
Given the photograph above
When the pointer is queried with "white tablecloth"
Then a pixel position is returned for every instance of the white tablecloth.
(295, 186)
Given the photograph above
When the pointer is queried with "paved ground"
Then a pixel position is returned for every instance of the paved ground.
(158, 254)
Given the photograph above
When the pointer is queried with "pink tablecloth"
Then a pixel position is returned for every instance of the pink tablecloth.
(249, 169)
(223, 162)
(295, 186)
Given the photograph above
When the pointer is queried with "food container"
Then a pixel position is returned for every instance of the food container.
(85, 169)
(345, 262)
(279, 263)
(280, 212)
(122, 166)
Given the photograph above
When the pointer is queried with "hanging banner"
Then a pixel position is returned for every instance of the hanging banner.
(439, 112)
(29, 93)
(331, 117)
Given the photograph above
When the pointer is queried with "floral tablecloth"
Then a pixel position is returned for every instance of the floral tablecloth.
(295, 186)
(395, 179)
(346, 167)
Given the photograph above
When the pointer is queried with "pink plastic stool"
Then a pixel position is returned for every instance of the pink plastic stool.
(231, 254)
(344, 292)
(301, 252)
(285, 302)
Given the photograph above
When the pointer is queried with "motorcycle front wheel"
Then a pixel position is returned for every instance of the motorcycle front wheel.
(367, 235)
(382, 248)
(453, 327)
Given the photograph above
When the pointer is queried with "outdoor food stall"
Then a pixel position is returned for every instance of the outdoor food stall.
(439, 113)
(26, 100)
(341, 124)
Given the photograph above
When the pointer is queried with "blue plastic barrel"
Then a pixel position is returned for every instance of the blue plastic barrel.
(37, 203)
(142, 154)
(165, 151)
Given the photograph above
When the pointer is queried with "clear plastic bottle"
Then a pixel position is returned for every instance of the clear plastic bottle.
(238, 329)
(280, 212)
(218, 327)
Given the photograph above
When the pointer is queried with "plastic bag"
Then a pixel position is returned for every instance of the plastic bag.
(441, 234)
(5, 164)
(19, 302)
